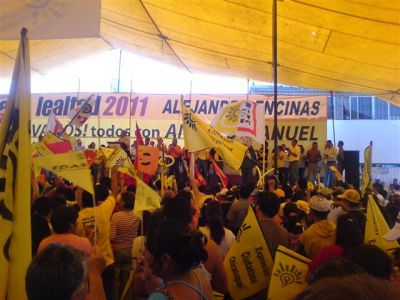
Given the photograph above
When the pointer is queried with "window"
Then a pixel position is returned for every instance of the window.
(354, 108)
(381, 109)
(342, 107)
(394, 112)
(364, 108)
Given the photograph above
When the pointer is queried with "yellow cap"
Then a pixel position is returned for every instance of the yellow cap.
(351, 195)
(279, 193)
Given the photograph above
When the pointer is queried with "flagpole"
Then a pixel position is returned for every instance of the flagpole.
(247, 96)
(333, 121)
(275, 75)
(130, 115)
(98, 124)
(119, 69)
(263, 168)
(76, 114)
(79, 89)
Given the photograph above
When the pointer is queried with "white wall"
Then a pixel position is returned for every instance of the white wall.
(356, 135)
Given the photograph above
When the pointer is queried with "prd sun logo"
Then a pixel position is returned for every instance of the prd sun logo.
(288, 275)
(189, 121)
(233, 114)
(120, 162)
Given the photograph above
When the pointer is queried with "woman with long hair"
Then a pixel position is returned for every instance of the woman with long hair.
(172, 252)
(214, 226)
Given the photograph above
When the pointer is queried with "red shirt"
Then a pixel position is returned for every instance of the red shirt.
(328, 253)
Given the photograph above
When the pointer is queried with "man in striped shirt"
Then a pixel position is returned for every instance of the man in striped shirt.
(124, 228)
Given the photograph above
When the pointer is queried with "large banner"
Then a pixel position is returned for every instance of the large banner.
(300, 117)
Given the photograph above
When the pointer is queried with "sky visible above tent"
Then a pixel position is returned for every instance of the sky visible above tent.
(340, 46)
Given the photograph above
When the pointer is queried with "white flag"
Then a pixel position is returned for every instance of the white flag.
(80, 114)
(50, 19)
(244, 118)
(54, 125)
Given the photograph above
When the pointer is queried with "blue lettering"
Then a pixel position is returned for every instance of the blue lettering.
(47, 106)
(168, 107)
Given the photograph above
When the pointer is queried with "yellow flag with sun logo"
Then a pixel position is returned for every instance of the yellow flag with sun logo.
(248, 263)
(376, 227)
(288, 276)
(146, 198)
(199, 135)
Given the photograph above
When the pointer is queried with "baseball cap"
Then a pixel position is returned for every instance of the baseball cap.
(310, 186)
(394, 233)
(326, 192)
(351, 195)
(320, 203)
(303, 206)
(279, 193)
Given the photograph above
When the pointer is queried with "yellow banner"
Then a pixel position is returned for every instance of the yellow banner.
(376, 227)
(199, 135)
(160, 115)
(248, 262)
(288, 276)
(71, 166)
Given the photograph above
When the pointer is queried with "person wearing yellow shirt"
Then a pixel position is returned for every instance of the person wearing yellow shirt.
(293, 156)
(329, 155)
(94, 223)
(282, 165)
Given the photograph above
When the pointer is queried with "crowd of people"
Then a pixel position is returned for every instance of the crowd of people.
(98, 247)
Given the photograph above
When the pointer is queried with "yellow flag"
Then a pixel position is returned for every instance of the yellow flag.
(145, 198)
(366, 176)
(107, 151)
(71, 166)
(248, 263)
(50, 138)
(339, 177)
(199, 135)
(376, 227)
(120, 159)
(288, 276)
(41, 149)
(15, 175)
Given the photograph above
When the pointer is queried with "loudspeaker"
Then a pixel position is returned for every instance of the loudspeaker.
(352, 167)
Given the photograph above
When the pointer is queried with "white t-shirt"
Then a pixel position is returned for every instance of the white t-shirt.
(225, 242)
(335, 213)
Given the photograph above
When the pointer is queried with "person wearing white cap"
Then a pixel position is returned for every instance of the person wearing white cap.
(394, 233)
(320, 234)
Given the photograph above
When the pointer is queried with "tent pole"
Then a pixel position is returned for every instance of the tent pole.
(275, 78)
(248, 90)
(119, 69)
(130, 114)
(333, 121)
(79, 89)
